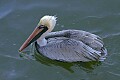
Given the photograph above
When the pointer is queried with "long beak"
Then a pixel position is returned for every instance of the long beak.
(30, 38)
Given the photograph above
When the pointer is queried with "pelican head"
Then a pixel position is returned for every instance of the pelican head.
(48, 21)
(45, 25)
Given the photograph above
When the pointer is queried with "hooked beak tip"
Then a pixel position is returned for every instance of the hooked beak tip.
(19, 50)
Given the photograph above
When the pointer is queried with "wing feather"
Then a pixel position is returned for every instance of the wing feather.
(69, 50)
(73, 45)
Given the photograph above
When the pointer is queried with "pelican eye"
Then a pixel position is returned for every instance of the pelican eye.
(41, 26)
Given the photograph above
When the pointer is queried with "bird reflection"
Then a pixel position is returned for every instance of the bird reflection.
(86, 66)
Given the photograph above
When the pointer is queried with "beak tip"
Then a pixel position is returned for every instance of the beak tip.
(19, 50)
(22, 48)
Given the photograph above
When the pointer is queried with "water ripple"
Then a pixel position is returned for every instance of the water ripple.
(8, 56)
(111, 35)
(6, 9)
(116, 74)
(5, 13)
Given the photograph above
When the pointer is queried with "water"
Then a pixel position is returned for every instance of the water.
(18, 18)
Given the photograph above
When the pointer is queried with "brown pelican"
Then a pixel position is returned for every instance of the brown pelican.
(66, 45)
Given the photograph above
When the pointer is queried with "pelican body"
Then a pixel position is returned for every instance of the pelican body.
(65, 45)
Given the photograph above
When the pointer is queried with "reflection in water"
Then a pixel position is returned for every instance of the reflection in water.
(86, 66)
(34, 55)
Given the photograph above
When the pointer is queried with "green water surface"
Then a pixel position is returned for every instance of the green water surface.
(18, 18)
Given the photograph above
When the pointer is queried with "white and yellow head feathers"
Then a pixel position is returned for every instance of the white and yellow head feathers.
(48, 21)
